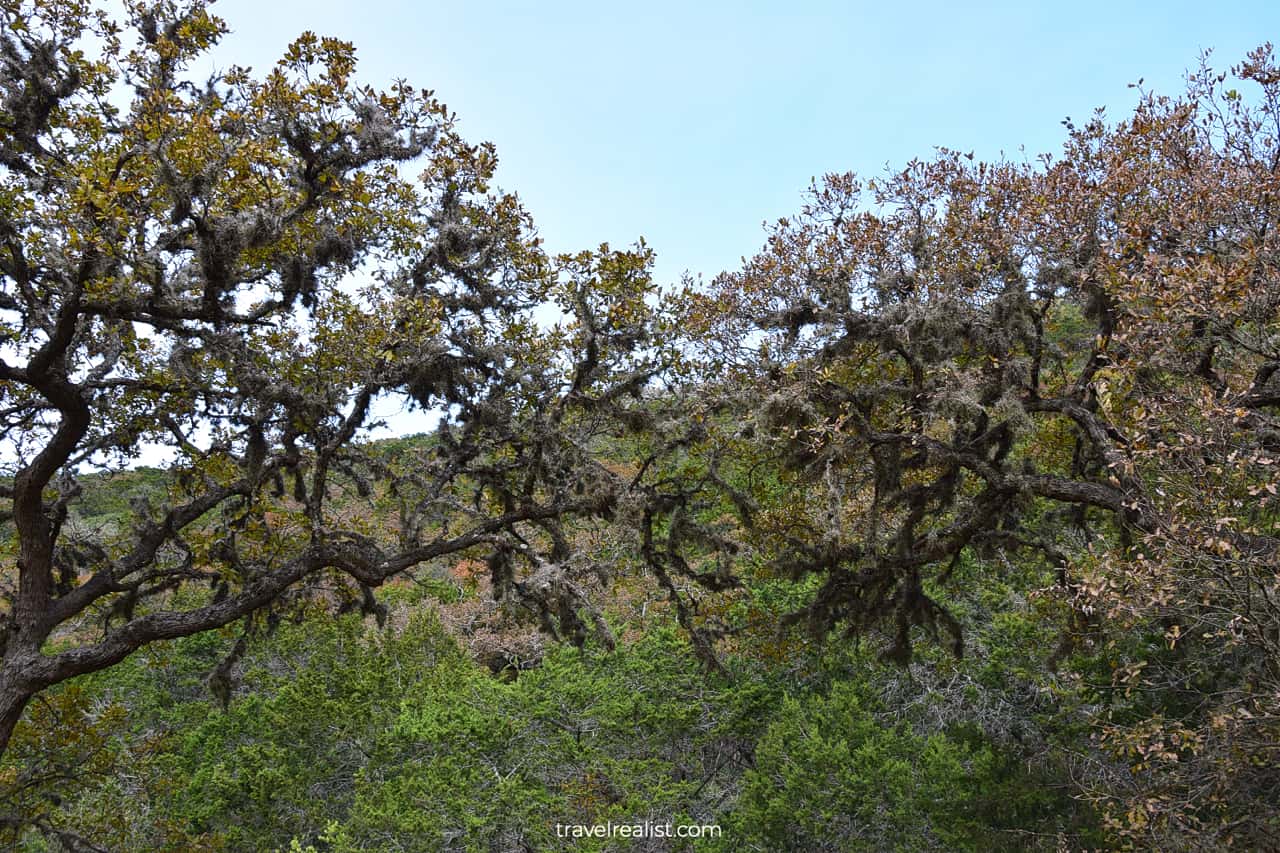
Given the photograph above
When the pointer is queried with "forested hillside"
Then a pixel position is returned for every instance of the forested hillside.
(948, 521)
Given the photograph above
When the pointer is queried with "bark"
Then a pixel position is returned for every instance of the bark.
(13, 701)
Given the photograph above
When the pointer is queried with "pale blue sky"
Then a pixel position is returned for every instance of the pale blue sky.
(693, 123)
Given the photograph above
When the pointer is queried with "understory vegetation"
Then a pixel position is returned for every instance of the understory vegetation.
(346, 736)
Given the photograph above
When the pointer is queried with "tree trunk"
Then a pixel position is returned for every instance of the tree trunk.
(13, 701)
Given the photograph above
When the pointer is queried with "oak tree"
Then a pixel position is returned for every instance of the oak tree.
(1073, 361)
(233, 274)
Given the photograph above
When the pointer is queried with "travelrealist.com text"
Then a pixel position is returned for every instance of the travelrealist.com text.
(647, 829)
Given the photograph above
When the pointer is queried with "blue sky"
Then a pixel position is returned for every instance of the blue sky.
(693, 123)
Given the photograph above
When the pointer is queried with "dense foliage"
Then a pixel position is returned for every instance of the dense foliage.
(344, 736)
(236, 271)
(1071, 364)
(947, 522)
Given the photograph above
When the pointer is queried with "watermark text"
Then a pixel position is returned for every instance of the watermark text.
(643, 829)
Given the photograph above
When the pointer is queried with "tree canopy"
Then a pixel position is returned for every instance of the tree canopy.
(1073, 361)
(236, 270)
